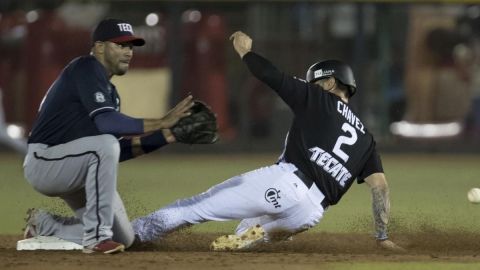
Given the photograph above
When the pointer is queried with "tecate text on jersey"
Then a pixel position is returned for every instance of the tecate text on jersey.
(330, 164)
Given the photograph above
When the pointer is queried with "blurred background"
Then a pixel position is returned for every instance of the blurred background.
(417, 64)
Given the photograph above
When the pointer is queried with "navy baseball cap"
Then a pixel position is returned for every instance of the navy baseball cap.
(117, 31)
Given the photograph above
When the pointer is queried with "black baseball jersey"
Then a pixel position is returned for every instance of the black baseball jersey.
(66, 113)
(326, 141)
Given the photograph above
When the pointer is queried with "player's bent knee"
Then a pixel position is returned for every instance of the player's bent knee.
(109, 146)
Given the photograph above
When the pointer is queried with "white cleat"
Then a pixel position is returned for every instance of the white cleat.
(232, 242)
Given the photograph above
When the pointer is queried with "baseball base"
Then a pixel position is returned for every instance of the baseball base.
(47, 243)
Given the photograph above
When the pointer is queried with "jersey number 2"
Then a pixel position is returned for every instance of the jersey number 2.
(348, 140)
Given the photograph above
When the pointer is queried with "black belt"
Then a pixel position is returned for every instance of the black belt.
(309, 183)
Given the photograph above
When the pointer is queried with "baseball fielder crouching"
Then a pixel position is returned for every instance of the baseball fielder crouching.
(76, 144)
(326, 149)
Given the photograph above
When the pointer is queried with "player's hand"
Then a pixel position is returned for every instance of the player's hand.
(181, 110)
(242, 43)
(390, 246)
(167, 134)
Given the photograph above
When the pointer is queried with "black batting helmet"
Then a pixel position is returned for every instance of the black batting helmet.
(333, 68)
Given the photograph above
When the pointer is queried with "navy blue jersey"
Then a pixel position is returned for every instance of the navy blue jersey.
(81, 91)
(326, 141)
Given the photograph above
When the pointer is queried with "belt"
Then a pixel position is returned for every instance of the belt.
(309, 183)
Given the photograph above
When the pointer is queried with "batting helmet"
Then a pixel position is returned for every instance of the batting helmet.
(333, 68)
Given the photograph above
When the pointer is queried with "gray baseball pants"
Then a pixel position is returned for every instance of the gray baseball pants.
(83, 173)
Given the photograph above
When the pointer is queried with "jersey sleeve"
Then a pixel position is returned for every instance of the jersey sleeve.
(293, 91)
(373, 165)
(94, 88)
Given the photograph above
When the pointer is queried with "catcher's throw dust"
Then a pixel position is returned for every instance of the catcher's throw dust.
(326, 149)
(76, 143)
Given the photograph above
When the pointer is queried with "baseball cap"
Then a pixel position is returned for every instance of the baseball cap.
(117, 31)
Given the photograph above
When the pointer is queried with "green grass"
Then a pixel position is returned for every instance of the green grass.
(427, 192)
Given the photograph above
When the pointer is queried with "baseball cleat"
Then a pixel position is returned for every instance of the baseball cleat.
(30, 228)
(106, 246)
(248, 239)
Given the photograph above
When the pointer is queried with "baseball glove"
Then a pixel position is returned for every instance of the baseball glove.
(200, 127)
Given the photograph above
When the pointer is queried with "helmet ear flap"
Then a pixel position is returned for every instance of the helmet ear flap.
(351, 91)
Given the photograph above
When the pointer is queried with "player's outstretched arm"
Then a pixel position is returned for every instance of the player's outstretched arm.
(292, 90)
(113, 122)
(381, 210)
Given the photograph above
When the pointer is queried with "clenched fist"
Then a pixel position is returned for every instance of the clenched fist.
(242, 43)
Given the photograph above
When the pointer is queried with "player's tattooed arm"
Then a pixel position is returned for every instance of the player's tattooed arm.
(380, 204)
(381, 210)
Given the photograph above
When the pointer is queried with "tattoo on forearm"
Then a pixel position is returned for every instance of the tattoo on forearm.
(381, 210)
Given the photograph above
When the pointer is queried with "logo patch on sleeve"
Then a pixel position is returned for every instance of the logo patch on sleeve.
(99, 97)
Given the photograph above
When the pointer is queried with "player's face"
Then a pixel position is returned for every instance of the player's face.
(117, 57)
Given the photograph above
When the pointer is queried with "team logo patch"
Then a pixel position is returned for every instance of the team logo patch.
(322, 73)
(99, 97)
(272, 195)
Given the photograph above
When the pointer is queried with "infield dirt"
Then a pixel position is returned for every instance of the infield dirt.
(185, 250)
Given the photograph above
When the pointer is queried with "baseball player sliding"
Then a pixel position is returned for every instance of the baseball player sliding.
(327, 148)
(76, 143)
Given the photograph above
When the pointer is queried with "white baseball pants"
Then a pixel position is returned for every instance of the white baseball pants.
(273, 197)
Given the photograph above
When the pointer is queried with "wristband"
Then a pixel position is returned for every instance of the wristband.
(153, 141)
